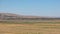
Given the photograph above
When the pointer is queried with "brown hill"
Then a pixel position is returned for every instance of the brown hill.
(10, 16)
(15, 15)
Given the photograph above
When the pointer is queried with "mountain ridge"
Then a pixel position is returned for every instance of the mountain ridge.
(26, 16)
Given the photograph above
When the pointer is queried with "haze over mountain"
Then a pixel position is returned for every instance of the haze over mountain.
(24, 16)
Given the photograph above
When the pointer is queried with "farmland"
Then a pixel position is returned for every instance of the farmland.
(37, 28)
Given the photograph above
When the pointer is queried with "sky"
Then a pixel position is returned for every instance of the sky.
(31, 7)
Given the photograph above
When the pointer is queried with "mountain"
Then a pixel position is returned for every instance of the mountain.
(15, 15)
(10, 16)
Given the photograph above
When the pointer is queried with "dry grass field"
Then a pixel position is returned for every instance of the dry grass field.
(37, 28)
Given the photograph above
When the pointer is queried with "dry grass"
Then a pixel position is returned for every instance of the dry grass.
(38, 28)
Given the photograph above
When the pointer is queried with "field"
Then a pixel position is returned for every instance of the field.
(37, 28)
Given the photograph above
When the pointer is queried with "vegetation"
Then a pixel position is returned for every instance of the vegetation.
(26, 22)
(29, 28)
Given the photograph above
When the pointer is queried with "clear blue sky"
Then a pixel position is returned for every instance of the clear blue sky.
(31, 7)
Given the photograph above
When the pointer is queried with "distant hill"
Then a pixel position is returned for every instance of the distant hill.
(10, 16)
(15, 15)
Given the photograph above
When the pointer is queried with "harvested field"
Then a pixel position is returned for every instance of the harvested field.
(37, 28)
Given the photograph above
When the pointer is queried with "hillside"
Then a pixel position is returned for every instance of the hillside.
(10, 16)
